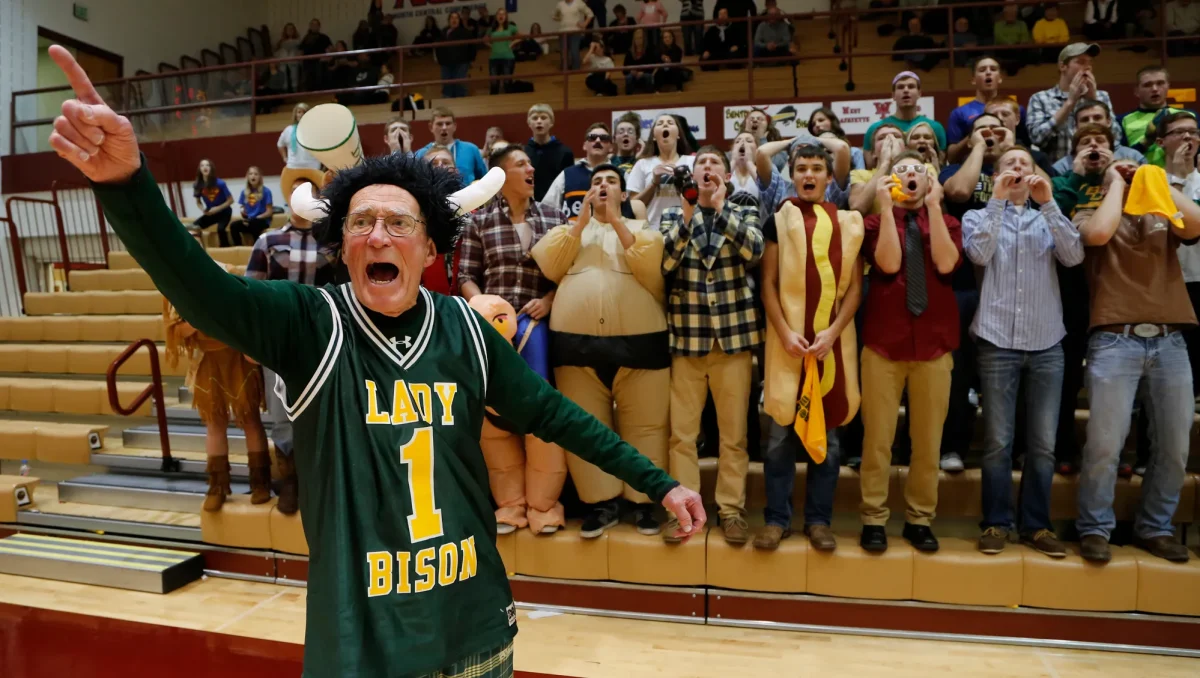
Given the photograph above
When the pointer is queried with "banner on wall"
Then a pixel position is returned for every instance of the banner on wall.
(790, 119)
(407, 9)
(693, 114)
(856, 116)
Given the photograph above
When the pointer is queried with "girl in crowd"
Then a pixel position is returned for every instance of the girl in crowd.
(294, 155)
(640, 54)
(533, 46)
(670, 53)
(455, 60)
(888, 143)
(442, 275)
(289, 46)
(598, 58)
(759, 124)
(922, 139)
(430, 34)
(502, 61)
(824, 121)
(489, 140)
(744, 176)
(214, 200)
(257, 209)
(650, 180)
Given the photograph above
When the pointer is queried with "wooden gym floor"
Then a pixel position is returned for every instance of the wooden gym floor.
(231, 628)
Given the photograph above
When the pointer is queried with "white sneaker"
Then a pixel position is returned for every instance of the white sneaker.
(952, 463)
(505, 528)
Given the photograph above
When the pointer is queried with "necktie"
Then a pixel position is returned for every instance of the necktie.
(914, 266)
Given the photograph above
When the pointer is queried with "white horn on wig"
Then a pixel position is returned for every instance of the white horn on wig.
(469, 199)
(306, 205)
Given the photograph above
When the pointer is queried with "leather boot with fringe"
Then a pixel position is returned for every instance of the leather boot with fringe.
(218, 483)
(260, 477)
(289, 486)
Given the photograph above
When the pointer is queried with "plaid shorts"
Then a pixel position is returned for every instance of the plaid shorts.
(494, 663)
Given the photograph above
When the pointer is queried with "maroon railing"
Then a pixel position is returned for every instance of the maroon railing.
(153, 389)
(18, 273)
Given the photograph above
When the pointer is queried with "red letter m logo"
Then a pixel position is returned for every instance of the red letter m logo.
(883, 109)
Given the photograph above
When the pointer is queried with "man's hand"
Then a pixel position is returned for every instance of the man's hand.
(706, 55)
(1004, 140)
(88, 134)
(1003, 185)
(687, 507)
(883, 193)
(933, 198)
(822, 343)
(1089, 84)
(1182, 157)
(1113, 181)
(1039, 189)
(794, 344)
(613, 201)
(1077, 90)
(537, 309)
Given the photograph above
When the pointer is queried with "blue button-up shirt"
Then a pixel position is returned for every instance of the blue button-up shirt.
(1019, 304)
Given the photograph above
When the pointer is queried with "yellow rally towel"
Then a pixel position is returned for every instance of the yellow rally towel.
(1151, 194)
(810, 416)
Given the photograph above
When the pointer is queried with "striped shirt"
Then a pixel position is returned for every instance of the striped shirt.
(492, 256)
(708, 294)
(291, 254)
(1056, 141)
(1020, 307)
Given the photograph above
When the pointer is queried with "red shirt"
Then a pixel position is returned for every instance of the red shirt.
(437, 279)
(889, 328)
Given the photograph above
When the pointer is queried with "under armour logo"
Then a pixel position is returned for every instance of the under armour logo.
(406, 342)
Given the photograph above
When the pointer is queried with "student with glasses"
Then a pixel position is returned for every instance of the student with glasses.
(572, 184)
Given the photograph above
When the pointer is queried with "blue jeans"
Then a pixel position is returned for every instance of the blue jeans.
(573, 42)
(779, 476)
(500, 67)
(1002, 373)
(454, 72)
(1116, 364)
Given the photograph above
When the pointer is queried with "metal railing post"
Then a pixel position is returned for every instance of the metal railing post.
(18, 259)
(950, 43)
(154, 389)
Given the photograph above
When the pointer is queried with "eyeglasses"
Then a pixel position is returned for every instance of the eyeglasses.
(602, 138)
(397, 225)
(1190, 133)
(904, 169)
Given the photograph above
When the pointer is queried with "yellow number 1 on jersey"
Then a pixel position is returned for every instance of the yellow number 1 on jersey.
(425, 522)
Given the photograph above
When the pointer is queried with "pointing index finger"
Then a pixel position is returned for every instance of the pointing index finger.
(76, 77)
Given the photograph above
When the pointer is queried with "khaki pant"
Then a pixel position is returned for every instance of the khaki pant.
(527, 476)
(642, 420)
(883, 383)
(728, 376)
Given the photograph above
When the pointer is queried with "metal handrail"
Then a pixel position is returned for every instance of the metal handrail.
(58, 222)
(18, 261)
(153, 389)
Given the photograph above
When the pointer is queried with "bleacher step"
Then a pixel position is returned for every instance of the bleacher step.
(143, 464)
(177, 493)
(123, 566)
(183, 436)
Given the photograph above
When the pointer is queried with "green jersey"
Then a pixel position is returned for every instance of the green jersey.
(404, 575)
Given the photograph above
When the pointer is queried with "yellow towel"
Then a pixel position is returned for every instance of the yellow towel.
(1151, 194)
(810, 415)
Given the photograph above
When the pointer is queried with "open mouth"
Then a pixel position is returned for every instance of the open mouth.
(604, 195)
(922, 149)
(382, 273)
(529, 181)
(912, 186)
(987, 82)
(809, 186)
(1016, 181)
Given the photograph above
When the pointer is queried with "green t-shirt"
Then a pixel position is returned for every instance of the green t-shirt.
(404, 575)
(503, 49)
(1016, 33)
(1074, 192)
(905, 125)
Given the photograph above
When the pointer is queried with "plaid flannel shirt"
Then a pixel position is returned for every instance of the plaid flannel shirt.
(491, 255)
(291, 254)
(709, 293)
(1056, 141)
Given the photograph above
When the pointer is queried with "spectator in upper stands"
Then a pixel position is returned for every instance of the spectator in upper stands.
(669, 52)
(910, 328)
(467, 158)
(906, 93)
(502, 61)
(600, 12)
(743, 174)
(386, 35)
(916, 40)
(314, 42)
(273, 81)
(1051, 29)
(650, 180)
(1139, 307)
(362, 38)
(568, 189)
(619, 41)
(1051, 111)
(1092, 112)
(651, 15)
(791, 278)
(289, 46)
(1100, 20)
(1153, 85)
(294, 155)
(628, 135)
(1011, 113)
(773, 37)
(963, 37)
(490, 138)
(1010, 29)
(825, 121)
(455, 60)
(988, 79)
(257, 209)
(531, 47)
(639, 54)
(339, 68)
(572, 15)
(693, 36)
(723, 41)
(365, 74)
(1017, 238)
(1177, 135)
(472, 26)
(1183, 18)
(598, 58)
(398, 136)
(548, 155)
(485, 24)
(736, 9)
(713, 329)
(214, 201)
(429, 34)
(775, 187)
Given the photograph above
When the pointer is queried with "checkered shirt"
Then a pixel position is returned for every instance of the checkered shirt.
(709, 294)
(1056, 141)
(291, 254)
(491, 255)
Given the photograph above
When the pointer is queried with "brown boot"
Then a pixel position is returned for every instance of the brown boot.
(289, 487)
(218, 483)
(260, 477)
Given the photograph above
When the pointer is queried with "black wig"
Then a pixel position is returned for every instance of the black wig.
(430, 186)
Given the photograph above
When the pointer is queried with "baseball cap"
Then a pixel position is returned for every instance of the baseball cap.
(1077, 49)
(905, 74)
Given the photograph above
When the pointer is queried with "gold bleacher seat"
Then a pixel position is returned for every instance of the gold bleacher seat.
(506, 544)
(234, 256)
(1167, 588)
(644, 559)
(1072, 583)
(16, 494)
(287, 533)
(958, 573)
(53, 442)
(79, 359)
(562, 555)
(129, 302)
(65, 396)
(239, 523)
(745, 568)
(850, 572)
(123, 279)
(66, 328)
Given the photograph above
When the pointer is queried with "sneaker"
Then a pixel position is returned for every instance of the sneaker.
(873, 539)
(737, 532)
(1094, 549)
(1125, 470)
(505, 528)
(549, 529)
(952, 463)
(768, 539)
(992, 540)
(1164, 547)
(669, 530)
(921, 537)
(602, 517)
(1046, 543)
(821, 537)
(643, 517)
(1066, 468)
(854, 463)
(1139, 471)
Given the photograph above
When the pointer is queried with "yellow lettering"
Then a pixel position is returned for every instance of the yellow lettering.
(425, 522)
(425, 569)
(374, 416)
(424, 400)
(446, 393)
(402, 407)
(468, 559)
(380, 576)
(447, 564)
(402, 560)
